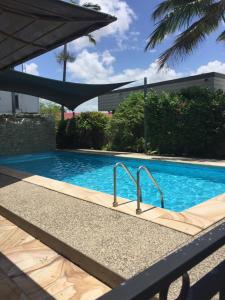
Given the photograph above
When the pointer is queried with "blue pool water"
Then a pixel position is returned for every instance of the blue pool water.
(183, 185)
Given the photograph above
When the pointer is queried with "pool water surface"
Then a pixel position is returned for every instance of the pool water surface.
(183, 185)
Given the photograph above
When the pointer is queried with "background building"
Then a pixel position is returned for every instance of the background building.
(23, 103)
(110, 101)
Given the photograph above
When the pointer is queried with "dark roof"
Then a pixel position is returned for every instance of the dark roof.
(177, 80)
(65, 93)
(30, 28)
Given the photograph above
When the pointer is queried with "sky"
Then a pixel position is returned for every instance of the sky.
(119, 54)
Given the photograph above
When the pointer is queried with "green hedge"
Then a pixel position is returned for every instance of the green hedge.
(126, 128)
(91, 130)
(88, 130)
(190, 122)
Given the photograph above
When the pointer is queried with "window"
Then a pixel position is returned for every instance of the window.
(17, 102)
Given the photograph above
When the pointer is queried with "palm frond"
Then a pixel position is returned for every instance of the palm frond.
(91, 39)
(221, 37)
(92, 6)
(166, 7)
(189, 39)
(179, 18)
(195, 18)
(63, 56)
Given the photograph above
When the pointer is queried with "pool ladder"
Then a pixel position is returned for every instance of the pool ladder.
(137, 184)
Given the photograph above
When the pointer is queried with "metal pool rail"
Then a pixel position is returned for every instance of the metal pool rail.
(139, 189)
(137, 184)
(119, 164)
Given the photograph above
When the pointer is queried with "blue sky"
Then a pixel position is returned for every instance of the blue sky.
(119, 54)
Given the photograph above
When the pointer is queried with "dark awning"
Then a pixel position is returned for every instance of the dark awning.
(29, 28)
(65, 93)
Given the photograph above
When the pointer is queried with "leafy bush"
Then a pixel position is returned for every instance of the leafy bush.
(84, 131)
(91, 130)
(66, 133)
(62, 140)
(190, 122)
(50, 109)
(126, 128)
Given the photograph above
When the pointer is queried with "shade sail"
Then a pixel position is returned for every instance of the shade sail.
(65, 93)
(29, 28)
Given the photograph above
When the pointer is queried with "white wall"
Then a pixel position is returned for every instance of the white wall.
(27, 104)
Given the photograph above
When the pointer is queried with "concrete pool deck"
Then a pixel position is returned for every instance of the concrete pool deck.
(109, 245)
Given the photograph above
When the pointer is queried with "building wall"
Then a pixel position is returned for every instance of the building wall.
(219, 83)
(111, 101)
(26, 134)
(27, 104)
(5, 102)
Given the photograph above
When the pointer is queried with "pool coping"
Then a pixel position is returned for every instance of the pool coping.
(191, 221)
(143, 156)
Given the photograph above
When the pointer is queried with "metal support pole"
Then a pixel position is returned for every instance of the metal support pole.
(145, 98)
(13, 104)
(13, 100)
(145, 87)
(64, 75)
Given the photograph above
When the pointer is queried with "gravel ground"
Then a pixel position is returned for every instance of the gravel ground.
(124, 244)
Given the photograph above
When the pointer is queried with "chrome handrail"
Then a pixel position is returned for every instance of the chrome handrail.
(120, 164)
(139, 198)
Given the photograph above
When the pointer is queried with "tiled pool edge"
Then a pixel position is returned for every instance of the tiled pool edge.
(191, 221)
(143, 156)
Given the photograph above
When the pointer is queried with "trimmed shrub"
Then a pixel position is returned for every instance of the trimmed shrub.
(190, 122)
(126, 128)
(88, 130)
(91, 130)
(61, 138)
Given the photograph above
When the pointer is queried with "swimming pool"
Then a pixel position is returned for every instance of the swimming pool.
(183, 185)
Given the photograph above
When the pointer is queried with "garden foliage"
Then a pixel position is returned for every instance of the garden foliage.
(190, 122)
(87, 130)
(126, 128)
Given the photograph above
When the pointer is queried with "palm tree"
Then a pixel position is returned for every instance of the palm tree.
(196, 19)
(62, 58)
(65, 56)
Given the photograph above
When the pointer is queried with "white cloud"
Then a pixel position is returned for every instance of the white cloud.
(212, 66)
(92, 67)
(31, 68)
(125, 16)
(107, 58)
(81, 43)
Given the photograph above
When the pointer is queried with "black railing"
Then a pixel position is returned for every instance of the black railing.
(158, 278)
